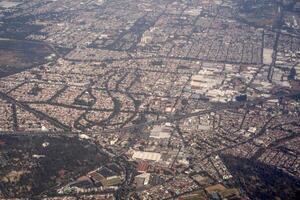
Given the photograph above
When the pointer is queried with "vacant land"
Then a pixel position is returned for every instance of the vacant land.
(17, 56)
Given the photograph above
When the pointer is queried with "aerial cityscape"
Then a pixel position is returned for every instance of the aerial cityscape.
(150, 99)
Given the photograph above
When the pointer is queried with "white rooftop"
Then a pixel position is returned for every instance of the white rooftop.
(143, 155)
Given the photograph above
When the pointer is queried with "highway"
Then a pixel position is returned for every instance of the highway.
(170, 118)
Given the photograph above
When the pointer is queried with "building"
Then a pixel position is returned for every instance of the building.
(105, 177)
(142, 179)
(161, 132)
(143, 167)
(143, 155)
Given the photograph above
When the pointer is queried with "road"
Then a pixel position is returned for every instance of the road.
(170, 118)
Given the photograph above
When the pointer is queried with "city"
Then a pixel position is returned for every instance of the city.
(149, 99)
